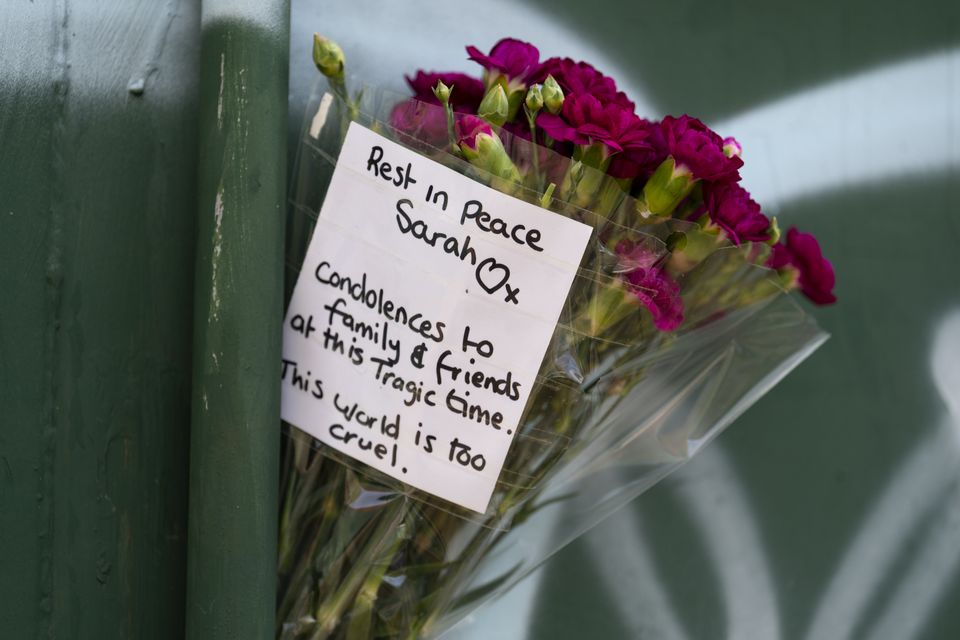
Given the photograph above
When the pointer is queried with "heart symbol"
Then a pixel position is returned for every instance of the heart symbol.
(490, 266)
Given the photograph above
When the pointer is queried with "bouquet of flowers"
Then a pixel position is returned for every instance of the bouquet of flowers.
(677, 320)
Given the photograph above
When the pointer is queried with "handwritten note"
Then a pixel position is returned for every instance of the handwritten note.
(421, 316)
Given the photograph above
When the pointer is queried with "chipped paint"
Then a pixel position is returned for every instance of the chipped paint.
(214, 314)
(155, 44)
(223, 59)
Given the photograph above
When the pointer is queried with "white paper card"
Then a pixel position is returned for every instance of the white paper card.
(421, 316)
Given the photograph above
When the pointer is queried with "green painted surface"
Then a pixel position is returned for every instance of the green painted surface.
(107, 117)
(97, 193)
(237, 314)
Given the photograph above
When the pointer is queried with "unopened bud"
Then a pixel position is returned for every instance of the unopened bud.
(442, 92)
(495, 107)
(732, 148)
(666, 188)
(774, 231)
(328, 56)
(534, 99)
(482, 148)
(552, 95)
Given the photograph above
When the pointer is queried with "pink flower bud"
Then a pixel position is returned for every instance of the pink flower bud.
(732, 148)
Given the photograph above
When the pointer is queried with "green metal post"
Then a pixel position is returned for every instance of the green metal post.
(235, 430)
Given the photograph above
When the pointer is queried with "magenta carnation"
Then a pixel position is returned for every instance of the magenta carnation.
(513, 58)
(584, 120)
(632, 254)
(466, 95)
(814, 273)
(581, 78)
(732, 209)
(660, 294)
(695, 146)
(641, 161)
(424, 122)
(469, 127)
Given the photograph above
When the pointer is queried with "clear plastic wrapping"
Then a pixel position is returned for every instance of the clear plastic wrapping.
(617, 403)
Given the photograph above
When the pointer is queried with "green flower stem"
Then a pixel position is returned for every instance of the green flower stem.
(571, 180)
(339, 87)
(531, 122)
(612, 194)
(330, 611)
(608, 306)
(314, 528)
(361, 616)
(286, 532)
(547, 198)
(470, 556)
(586, 175)
(451, 132)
